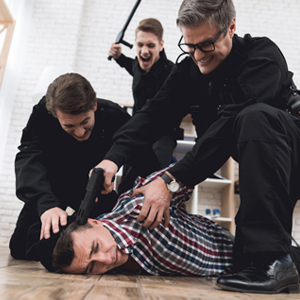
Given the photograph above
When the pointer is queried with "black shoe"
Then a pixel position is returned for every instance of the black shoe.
(270, 278)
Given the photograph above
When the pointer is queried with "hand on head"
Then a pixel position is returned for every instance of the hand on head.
(51, 218)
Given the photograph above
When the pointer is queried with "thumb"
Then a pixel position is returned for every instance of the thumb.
(137, 191)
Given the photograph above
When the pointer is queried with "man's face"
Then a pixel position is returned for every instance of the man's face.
(147, 48)
(96, 251)
(79, 126)
(210, 61)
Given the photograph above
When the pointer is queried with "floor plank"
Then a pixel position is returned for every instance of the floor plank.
(28, 280)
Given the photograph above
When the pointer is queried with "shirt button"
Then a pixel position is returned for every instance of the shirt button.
(210, 83)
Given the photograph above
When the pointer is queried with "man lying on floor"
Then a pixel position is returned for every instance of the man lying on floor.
(189, 245)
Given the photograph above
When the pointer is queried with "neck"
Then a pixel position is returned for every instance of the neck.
(131, 264)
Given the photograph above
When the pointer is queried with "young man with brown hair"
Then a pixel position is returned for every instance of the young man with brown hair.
(68, 133)
(149, 70)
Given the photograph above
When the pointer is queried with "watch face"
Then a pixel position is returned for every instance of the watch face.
(173, 186)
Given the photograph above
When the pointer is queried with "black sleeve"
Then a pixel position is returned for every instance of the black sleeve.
(126, 62)
(210, 151)
(159, 114)
(32, 185)
(259, 80)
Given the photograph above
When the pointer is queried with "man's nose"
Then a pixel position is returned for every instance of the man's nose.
(104, 258)
(198, 54)
(145, 50)
(79, 131)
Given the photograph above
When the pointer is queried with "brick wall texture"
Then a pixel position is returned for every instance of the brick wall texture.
(78, 33)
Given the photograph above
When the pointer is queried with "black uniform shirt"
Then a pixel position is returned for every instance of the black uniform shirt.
(146, 84)
(254, 71)
(52, 166)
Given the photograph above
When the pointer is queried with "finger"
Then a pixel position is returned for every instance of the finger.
(137, 192)
(143, 213)
(151, 217)
(167, 217)
(107, 182)
(96, 200)
(55, 226)
(108, 190)
(63, 219)
(157, 220)
(42, 231)
(47, 230)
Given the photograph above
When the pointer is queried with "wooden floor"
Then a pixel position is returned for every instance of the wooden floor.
(29, 280)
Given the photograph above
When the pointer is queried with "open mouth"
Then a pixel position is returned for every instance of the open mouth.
(145, 59)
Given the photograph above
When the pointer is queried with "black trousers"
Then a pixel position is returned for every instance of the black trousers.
(268, 151)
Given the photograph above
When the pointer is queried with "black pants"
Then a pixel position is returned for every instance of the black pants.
(268, 152)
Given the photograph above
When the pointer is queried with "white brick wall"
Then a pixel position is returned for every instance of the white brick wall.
(78, 34)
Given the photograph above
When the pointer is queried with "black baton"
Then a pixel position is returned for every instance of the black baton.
(119, 39)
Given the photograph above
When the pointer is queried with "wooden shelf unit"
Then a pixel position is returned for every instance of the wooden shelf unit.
(7, 25)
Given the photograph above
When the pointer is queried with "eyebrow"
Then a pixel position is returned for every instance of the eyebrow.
(141, 43)
(71, 125)
(90, 255)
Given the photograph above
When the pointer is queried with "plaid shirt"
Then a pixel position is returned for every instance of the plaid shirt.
(190, 245)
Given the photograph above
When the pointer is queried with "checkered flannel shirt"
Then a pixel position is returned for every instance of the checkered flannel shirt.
(190, 245)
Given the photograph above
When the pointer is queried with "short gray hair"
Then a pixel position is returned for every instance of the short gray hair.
(193, 13)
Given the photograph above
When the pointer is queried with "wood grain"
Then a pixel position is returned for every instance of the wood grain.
(28, 280)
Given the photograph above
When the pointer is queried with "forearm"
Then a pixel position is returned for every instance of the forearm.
(208, 154)
(32, 185)
(126, 62)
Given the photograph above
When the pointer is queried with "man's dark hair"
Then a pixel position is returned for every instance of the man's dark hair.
(193, 13)
(63, 253)
(151, 25)
(71, 93)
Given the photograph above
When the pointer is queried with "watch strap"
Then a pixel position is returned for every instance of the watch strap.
(166, 178)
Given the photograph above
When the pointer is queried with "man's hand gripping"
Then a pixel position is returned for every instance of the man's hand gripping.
(156, 205)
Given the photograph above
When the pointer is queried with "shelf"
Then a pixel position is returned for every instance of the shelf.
(215, 183)
(184, 146)
(219, 219)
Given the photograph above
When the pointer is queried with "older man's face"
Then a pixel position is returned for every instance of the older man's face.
(96, 251)
(209, 61)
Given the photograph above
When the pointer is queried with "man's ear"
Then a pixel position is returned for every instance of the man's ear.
(161, 46)
(232, 27)
(95, 107)
(93, 221)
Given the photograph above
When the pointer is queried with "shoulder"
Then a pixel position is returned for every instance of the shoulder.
(258, 47)
(40, 112)
(165, 62)
(109, 107)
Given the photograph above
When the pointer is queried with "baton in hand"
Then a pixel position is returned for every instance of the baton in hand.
(119, 39)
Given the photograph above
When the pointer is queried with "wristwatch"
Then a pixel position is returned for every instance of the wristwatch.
(172, 185)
